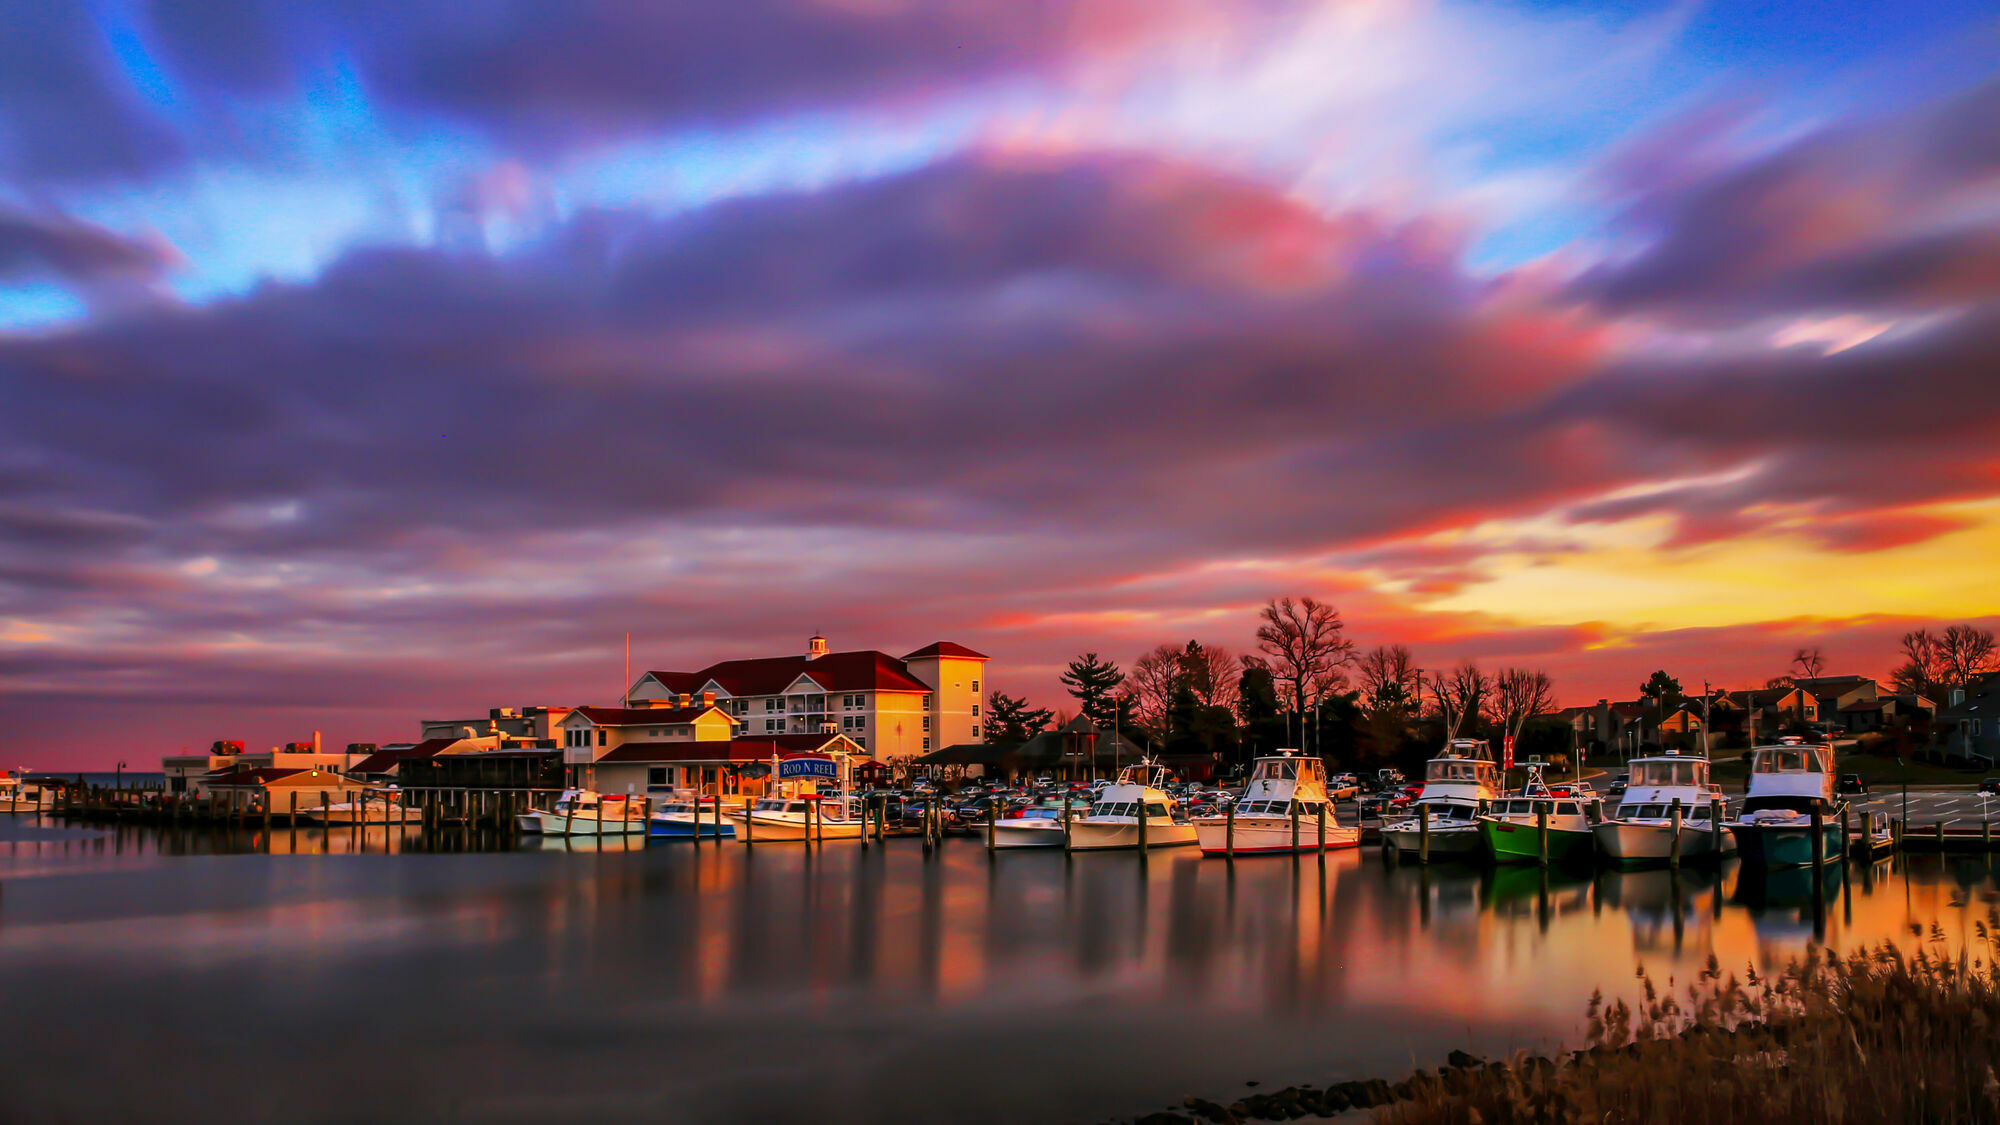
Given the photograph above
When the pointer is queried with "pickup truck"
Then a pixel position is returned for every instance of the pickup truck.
(1343, 787)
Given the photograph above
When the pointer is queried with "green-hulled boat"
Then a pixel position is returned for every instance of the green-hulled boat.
(1511, 828)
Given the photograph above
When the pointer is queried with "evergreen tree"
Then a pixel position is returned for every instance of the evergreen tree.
(1094, 683)
(1010, 719)
(1264, 727)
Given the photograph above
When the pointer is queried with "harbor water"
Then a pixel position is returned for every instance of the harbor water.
(154, 974)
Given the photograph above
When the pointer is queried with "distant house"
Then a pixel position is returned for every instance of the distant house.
(1969, 723)
(279, 789)
(1886, 711)
(1834, 694)
(1618, 728)
(1763, 712)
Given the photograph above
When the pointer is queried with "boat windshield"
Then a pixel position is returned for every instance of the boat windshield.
(1283, 769)
(1688, 771)
(1115, 808)
(1041, 814)
(1457, 769)
(1789, 759)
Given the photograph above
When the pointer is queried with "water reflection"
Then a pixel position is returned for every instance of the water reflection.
(604, 977)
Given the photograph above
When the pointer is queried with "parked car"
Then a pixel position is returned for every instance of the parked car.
(1615, 789)
(1990, 785)
(1852, 783)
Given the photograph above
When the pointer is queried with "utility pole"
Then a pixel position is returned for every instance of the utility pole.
(1707, 748)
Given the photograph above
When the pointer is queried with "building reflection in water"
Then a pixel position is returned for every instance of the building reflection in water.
(640, 976)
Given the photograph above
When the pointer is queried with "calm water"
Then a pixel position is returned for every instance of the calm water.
(155, 977)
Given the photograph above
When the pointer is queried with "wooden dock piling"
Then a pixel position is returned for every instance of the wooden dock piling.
(1674, 848)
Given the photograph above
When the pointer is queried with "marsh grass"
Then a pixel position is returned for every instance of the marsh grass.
(1875, 1036)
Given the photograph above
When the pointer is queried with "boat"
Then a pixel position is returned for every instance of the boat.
(1278, 814)
(1512, 826)
(1641, 831)
(586, 812)
(677, 818)
(382, 806)
(20, 794)
(1036, 826)
(1113, 822)
(1789, 782)
(800, 807)
(1456, 785)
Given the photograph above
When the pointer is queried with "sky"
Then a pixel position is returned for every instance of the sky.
(368, 362)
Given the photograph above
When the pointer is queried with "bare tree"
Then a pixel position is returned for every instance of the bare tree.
(1459, 693)
(1809, 662)
(1922, 671)
(1154, 679)
(1390, 680)
(1964, 654)
(1520, 696)
(1308, 646)
(1214, 675)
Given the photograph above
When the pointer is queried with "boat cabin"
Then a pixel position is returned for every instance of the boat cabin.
(1526, 807)
(1469, 771)
(1673, 770)
(1791, 775)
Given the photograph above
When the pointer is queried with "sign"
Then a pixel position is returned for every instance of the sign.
(815, 767)
(1507, 754)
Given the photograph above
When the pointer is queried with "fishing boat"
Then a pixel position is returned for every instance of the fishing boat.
(686, 816)
(1455, 786)
(812, 801)
(586, 812)
(1113, 822)
(1036, 826)
(1512, 826)
(381, 806)
(19, 793)
(1789, 783)
(1642, 830)
(1278, 814)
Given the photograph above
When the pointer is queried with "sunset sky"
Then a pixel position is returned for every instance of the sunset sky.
(366, 361)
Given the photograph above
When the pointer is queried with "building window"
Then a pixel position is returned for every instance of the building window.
(771, 704)
(927, 743)
(975, 730)
(927, 701)
(861, 742)
(656, 734)
(975, 709)
(656, 775)
(601, 735)
(927, 722)
(975, 687)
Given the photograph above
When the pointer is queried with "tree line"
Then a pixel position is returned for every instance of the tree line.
(1307, 686)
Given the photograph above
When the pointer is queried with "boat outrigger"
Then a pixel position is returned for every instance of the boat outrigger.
(1278, 814)
(1642, 830)
(1512, 827)
(1455, 786)
(1789, 783)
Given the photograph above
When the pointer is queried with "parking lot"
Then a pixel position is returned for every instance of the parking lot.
(1928, 806)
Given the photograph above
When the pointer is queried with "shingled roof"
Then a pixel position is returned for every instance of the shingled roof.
(866, 670)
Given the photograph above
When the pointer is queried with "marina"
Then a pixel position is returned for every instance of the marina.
(895, 963)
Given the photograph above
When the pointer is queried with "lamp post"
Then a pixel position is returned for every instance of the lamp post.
(119, 783)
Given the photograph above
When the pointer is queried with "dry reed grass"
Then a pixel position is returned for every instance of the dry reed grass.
(1877, 1036)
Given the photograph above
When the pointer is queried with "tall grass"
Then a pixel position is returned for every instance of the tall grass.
(1874, 1036)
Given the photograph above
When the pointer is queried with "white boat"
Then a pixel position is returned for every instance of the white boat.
(1789, 783)
(784, 819)
(385, 809)
(1278, 813)
(685, 816)
(18, 794)
(1455, 786)
(1037, 826)
(1113, 822)
(1642, 828)
(801, 808)
(585, 812)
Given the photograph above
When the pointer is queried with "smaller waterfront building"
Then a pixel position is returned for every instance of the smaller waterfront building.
(274, 788)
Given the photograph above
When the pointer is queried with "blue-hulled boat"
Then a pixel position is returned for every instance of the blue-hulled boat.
(1788, 783)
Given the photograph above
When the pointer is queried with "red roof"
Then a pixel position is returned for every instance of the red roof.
(947, 648)
(712, 750)
(382, 761)
(246, 779)
(836, 671)
(643, 716)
